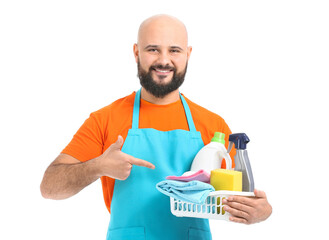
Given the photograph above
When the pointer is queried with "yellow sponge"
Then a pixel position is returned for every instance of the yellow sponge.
(224, 179)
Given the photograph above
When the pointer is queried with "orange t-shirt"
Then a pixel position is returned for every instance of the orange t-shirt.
(102, 128)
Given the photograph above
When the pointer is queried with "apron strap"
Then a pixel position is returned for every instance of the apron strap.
(188, 114)
(135, 123)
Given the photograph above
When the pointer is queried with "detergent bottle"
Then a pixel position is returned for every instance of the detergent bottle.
(210, 156)
(241, 160)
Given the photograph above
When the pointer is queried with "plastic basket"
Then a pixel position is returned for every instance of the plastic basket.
(212, 209)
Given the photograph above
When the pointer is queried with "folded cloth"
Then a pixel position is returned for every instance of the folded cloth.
(200, 175)
(193, 191)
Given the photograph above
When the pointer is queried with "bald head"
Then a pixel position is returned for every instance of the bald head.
(164, 26)
(162, 55)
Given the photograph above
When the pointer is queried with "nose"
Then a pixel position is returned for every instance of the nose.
(164, 59)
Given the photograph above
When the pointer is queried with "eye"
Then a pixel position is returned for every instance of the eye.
(152, 50)
(175, 50)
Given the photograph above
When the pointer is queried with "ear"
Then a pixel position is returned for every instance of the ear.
(136, 52)
(189, 50)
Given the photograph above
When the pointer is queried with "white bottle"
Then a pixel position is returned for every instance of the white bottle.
(210, 156)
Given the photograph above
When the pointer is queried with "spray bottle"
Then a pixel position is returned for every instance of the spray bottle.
(241, 160)
(210, 156)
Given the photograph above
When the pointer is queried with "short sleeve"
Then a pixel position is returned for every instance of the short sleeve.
(88, 141)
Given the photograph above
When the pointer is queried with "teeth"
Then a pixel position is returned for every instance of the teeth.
(162, 71)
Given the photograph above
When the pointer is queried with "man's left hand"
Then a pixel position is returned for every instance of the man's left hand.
(248, 210)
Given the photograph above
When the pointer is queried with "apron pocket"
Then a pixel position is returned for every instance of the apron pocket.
(131, 233)
(198, 234)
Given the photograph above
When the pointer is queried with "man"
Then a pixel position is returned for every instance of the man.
(140, 139)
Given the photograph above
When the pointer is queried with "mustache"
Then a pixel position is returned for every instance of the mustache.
(162, 67)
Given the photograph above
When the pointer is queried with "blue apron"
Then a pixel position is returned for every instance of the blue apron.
(138, 210)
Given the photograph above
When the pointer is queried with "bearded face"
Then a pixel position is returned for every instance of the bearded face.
(160, 89)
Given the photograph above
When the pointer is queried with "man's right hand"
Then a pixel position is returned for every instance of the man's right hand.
(116, 164)
(66, 175)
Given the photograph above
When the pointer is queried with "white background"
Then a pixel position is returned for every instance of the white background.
(261, 65)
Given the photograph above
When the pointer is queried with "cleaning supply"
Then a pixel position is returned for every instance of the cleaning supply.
(200, 175)
(193, 191)
(225, 179)
(210, 156)
(241, 160)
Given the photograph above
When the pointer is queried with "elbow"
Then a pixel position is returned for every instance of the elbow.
(49, 192)
(45, 195)
(45, 192)
(47, 187)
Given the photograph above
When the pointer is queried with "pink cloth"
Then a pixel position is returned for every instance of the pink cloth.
(200, 175)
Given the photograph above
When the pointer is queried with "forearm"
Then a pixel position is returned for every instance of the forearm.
(67, 176)
(62, 181)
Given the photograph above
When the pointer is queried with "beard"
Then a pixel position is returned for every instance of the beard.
(157, 89)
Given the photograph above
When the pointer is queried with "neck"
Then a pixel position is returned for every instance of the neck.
(169, 98)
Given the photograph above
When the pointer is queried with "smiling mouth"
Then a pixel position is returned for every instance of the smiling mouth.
(161, 70)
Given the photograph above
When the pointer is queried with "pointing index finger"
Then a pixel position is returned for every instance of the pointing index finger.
(141, 162)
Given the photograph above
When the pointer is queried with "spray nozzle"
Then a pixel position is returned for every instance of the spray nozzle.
(240, 141)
